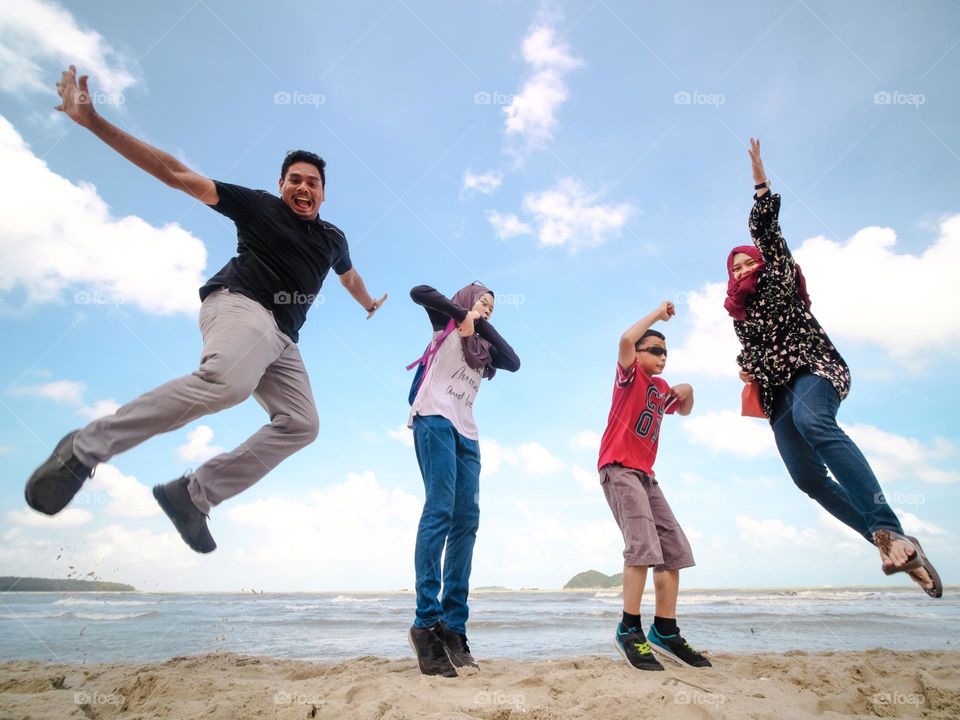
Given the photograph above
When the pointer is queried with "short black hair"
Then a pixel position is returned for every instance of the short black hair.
(649, 333)
(295, 156)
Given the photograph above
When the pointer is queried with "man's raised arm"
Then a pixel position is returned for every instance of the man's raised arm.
(77, 103)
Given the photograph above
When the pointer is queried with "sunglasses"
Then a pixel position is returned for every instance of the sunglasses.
(655, 350)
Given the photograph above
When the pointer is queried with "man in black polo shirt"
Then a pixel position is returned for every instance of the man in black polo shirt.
(250, 318)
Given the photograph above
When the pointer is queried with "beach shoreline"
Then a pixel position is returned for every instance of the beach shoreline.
(792, 685)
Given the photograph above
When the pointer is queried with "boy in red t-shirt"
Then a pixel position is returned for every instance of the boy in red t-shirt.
(651, 533)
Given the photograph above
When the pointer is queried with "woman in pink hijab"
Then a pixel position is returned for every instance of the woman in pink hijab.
(802, 380)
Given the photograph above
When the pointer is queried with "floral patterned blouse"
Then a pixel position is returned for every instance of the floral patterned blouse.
(780, 336)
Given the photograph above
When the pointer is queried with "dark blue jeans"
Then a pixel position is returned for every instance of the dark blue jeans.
(450, 465)
(810, 441)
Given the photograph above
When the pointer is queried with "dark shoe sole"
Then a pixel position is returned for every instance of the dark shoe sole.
(177, 519)
(45, 495)
(655, 668)
(663, 653)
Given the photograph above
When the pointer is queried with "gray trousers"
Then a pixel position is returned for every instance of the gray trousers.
(244, 353)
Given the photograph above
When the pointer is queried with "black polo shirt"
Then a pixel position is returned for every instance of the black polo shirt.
(281, 259)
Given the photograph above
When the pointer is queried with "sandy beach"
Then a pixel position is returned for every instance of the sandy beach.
(877, 683)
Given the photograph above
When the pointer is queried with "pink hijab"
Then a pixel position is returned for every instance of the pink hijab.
(740, 291)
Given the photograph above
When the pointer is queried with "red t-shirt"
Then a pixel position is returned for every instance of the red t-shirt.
(633, 427)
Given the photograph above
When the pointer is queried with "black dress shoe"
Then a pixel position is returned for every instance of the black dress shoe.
(52, 486)
(174, 499)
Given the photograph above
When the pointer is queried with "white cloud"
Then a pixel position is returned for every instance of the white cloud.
(587, 440)
(586, 479)
(39, 38)
(69, 392)
(711, 346)
(402, 434)
(123, 495)
(897, 457)
(532, 458)
(484, 183)
(535, 459)
(853, 305)
(128, 551)
(508, 226)
(69, 518)
(728, 431)
(915, 526)
(198, 448)
(531, 115)
(46, 249)
(864, 291)
(359, 517)
(566, 215)
(99, 409)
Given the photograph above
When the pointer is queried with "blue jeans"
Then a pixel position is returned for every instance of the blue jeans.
(810, 441)
(450, 465)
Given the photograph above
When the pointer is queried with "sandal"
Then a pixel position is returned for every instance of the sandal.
(936, 589)
(883, 539)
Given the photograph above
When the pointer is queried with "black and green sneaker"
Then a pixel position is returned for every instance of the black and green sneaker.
(635, 649)
(677, 649)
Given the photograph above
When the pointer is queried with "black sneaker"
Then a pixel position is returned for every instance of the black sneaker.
(52, 486)
(456, 646)
(677, 649)
(633, 646)
(174, 499)
(427, 645)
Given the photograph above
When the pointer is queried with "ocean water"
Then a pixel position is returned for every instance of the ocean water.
(112, 627)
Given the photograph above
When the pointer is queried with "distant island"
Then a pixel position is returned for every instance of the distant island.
(591, 579)
(27, 584)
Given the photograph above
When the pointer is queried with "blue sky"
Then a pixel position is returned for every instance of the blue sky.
(586, 161)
